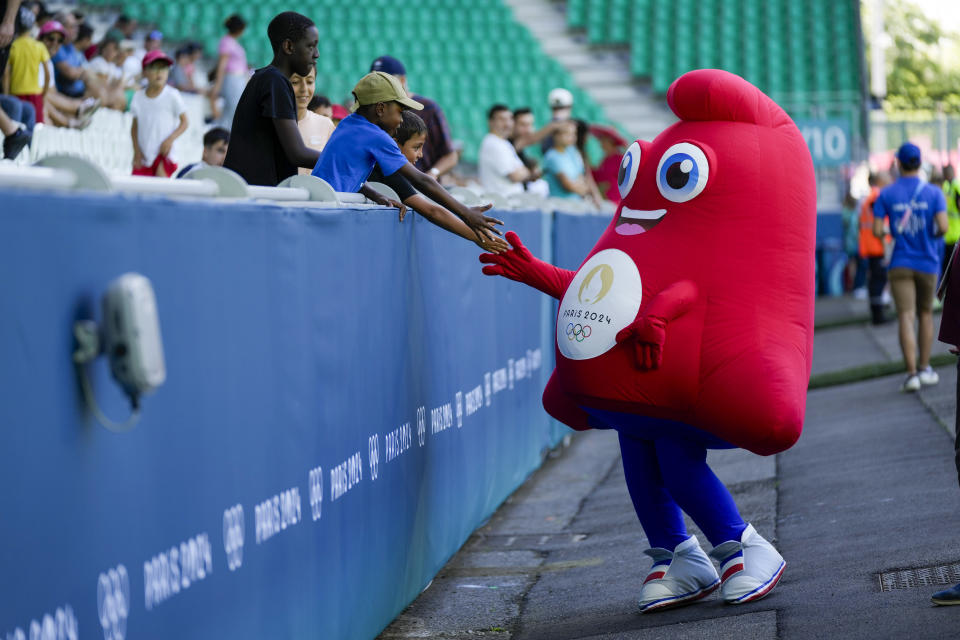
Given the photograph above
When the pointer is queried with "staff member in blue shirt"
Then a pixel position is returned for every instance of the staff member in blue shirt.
(917, 212)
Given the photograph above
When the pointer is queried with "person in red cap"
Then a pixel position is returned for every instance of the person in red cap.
(159, 118)
(606, 174)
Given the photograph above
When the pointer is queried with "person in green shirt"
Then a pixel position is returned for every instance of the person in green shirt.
(951, 191)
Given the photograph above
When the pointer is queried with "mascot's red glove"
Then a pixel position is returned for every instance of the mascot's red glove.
(648, 334)
(520, 265)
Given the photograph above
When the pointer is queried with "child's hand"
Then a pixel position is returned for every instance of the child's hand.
(481, 225)
(495, 245)
(165, 147)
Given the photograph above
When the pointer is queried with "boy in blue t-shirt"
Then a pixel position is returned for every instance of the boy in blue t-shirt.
(917, 213)
(363, 140)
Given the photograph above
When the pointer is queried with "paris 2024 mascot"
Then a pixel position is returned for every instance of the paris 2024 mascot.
(690, 325)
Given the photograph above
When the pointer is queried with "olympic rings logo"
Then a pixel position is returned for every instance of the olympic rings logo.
(578, 332)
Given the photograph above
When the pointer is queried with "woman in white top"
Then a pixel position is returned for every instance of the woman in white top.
(314, 128)
(231, 74)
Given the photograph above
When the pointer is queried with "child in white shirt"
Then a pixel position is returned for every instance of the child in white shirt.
(159, 118)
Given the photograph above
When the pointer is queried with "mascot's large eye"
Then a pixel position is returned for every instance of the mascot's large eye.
(629, 165)
(682, 173)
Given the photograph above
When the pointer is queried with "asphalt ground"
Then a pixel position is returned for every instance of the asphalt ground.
(864, 508)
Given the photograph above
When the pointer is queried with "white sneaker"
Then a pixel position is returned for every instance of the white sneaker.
(928, 376)
(911, 383)
(751, 576)
(689, 577)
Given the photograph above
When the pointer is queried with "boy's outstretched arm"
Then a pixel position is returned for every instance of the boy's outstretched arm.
(520, 265)
(446, 220)
(299, 154)
(483, 226)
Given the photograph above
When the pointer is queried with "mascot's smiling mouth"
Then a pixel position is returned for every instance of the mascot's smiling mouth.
(635, 221)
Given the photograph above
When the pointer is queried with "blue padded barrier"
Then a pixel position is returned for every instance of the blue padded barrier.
(347, 399)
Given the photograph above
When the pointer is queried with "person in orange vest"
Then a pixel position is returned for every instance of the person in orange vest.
(872, 248)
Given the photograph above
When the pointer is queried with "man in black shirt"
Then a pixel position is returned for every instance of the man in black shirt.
(265, 144)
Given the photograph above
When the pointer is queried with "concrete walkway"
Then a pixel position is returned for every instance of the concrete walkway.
(867, 497)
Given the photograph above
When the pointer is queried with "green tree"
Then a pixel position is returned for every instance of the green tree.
(916, 79)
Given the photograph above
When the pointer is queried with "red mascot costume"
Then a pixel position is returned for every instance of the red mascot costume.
(690, 325)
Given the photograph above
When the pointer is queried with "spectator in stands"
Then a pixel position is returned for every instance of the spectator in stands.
(337, 113)
(84, 42)
(152, 42)
(8, 19)
(103, 66)
(524, 135)
(231, 73)
(320, 105)
(607, 172)
(215, 144)
(181, 73)
(27, 57)
(265, 144)
(563, 167)
(411, 136)
(60, 110)
(314, 128)
(917, 214)
(500, 168)
(363, 139)
(159, 118)
(561, 108)
(123, 28)
(438, 155)
(16, 124)
(69, 64)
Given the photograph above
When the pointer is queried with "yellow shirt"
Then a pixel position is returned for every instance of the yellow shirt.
(26, 56)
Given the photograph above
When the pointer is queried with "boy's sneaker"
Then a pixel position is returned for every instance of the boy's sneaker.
(947, 596)
(751, 576)
(677, 578)
(928, 376)
(911, 383)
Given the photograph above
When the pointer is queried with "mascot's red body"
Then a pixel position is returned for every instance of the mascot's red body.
(696, 304)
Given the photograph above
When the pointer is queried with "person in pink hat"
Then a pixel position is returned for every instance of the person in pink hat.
(159, 118)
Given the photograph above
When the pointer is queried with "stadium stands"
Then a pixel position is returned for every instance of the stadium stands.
(465, 54)
(797, 52)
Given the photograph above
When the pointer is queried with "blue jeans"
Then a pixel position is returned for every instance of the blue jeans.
(19, 111)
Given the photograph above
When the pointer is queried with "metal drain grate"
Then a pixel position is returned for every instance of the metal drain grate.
(925, 576)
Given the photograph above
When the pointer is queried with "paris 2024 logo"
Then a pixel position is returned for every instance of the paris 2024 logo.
(602, 299)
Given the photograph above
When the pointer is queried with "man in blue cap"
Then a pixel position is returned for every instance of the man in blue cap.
(917, 212)
(438, 153)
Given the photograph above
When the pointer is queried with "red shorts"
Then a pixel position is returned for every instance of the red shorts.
(169, 168)
(37, 101)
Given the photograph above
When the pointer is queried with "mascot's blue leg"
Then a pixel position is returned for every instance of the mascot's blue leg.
(659, 514)
(698, 491)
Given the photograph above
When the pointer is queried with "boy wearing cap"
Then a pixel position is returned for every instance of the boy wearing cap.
(917, 213)
(363, 140)
(159, 118)
(265, 143)
(439, 156)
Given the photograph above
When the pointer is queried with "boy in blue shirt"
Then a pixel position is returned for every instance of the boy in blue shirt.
(363, 140)
(917, 212)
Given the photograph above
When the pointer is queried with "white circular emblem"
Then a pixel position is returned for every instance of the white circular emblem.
(603, 298)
